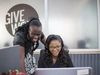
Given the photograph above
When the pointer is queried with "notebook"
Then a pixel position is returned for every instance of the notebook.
(64, 71)
(9, 58)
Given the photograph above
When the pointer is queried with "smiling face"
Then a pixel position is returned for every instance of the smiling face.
(55, 47)
(35, 33)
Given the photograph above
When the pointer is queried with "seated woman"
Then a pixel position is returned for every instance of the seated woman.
(54, 55)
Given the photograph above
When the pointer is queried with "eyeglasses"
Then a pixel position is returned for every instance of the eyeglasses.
(52, 48)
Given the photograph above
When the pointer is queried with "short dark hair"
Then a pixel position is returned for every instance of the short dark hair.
(34, 22)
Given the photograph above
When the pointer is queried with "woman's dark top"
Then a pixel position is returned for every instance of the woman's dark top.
(42, 63)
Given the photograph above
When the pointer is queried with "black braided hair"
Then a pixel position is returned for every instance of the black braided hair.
(32, 22)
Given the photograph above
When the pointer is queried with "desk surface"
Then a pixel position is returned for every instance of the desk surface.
(77, 51)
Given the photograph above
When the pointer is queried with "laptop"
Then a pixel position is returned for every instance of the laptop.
(64, 71)
(9, 58)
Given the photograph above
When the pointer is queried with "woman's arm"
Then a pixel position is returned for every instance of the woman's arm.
(43, 40)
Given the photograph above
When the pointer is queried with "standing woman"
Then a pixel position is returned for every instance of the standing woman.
(54, 55)
(28, 37)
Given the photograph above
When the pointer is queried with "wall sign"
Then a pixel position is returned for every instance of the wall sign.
(18, 15)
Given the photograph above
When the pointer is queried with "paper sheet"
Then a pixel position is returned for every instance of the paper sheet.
(83, 72)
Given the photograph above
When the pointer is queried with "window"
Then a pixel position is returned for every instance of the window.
(76, 21)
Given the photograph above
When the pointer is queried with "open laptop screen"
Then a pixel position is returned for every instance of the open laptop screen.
(9, 58)
(64, 71)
